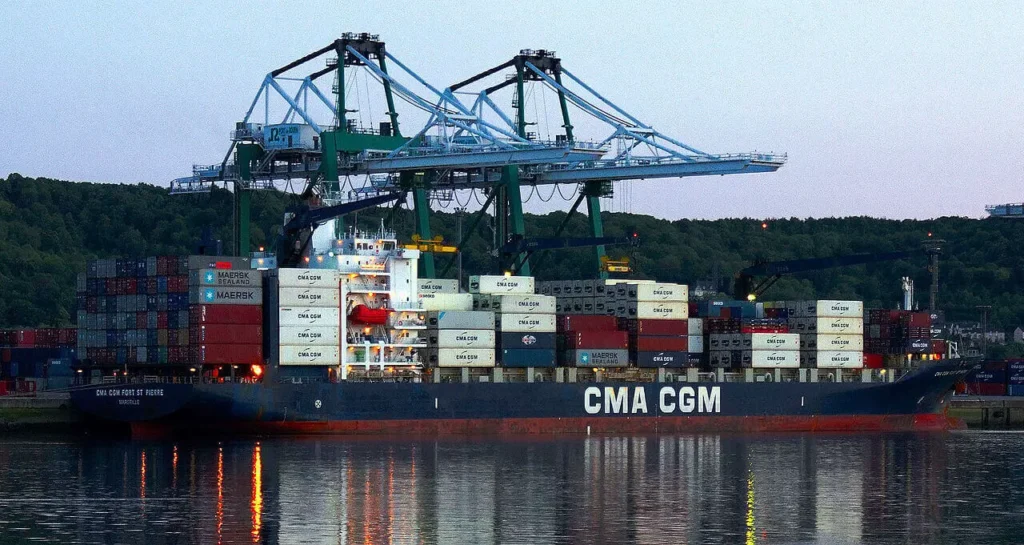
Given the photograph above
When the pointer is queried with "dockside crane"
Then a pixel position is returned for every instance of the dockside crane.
(468, 143)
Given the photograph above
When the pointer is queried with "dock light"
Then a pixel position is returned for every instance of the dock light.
(257, 370)
(191, 369)
(764, 225)
(261, 248)
(307, 259)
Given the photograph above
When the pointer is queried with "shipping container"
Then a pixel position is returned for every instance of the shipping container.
(437, 285)
(226, 334)
(828, 326)
(226, 296)
(770, 359)
(523, 304)
(984, 388)
(919, 346)
(586, 323)
(446, 301)
(309, 316)
(515, 341)
(823, 359)
(596, 358)
(657, 327)
(662, 359)
(310, 335)
(874, 361)
(516, 323)
(309, 297)
(607, 340)
(653, 292)
(645, 310)
(826, 309)
(660, 344)
(327, 279)
(242, 354)
(461, 338)
(694, 326)
(178, 265)
(236, 278)
(309, 355)
(460, 357)
(1015, 371)
(1015, 390)
(528, 357)
(501, 284)
(695, 344)
(470, 319)
(831, 342)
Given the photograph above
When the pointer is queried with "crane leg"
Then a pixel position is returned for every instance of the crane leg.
(593, 190)
(243, 202)
(514, 204)
(422, 205)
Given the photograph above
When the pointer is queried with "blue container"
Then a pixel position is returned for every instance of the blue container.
(531, 341)
(1015, 371)
(161, 284)
(662, 359)
(1015, 390)
(172, 319)
(528, 357)
(991, 372)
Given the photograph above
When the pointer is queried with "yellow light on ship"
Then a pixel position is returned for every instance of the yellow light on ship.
(320, 259)
(367, 331)
(261, 248)
(751, 297)
(257, 370)
(307, 259)
(508, 273)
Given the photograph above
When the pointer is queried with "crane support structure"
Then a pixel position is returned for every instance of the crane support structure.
(470, 142)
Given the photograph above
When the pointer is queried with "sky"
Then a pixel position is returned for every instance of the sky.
(889, 109)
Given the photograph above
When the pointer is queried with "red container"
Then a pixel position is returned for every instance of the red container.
(245, 354)
(226, 314)
(226, 334)
(920, 319)
(151, 285)
(5, 355)
(655, 327)
(606, 340)
(584, 322)
(873, 361)
(661, 344)
(24, 338)
(180, 284)
(938, 346)
(984, 389)
(161, 320)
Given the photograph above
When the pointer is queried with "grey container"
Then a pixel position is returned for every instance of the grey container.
(597, 358)
(460, 319)
(226, 296)
(237, 278)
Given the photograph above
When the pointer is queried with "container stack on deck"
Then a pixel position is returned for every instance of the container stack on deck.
(460, 338)
(657, 317)
(831, 333)
(890, 336)
(307, 308)
(524, 320)
(37, 353)
(226, 317)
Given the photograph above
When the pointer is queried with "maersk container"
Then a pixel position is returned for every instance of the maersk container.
(460, 357)
(827, 308)
(526, 304)
(309, 355)
(461, 338)
(437, 285)
(828, 326)
(528, 357)
(309, 278)
(309, 316)
(831, 342)
(832, 359)
(460, 319)
(522, 323)
(216, 295)
(596, 358)
(446, 301)
(501, 284)
(653, 292)
(310, 335)
(650, 310)
(237, 278)
(662, 359)
(311, 297)
(513, 341)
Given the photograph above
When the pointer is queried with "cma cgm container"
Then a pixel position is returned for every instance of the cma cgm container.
(989, 380)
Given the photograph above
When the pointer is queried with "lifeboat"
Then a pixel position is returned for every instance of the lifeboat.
(365, 315)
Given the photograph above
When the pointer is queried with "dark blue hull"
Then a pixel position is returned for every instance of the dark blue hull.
(917, 400)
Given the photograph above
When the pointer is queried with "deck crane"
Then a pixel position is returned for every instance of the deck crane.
(464, 145)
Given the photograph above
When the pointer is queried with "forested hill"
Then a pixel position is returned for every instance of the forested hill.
(50, 228)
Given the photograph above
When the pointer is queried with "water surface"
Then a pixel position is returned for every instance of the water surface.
(929, 488)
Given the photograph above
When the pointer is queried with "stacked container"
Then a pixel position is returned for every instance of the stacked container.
(460, 338)
(831, 333)
(1015, 377)
(989, 380)
(37, 353)
(754, 350)
(226, 316)
(524, 321)
(591, 341)
(442, 294)
(308, 317)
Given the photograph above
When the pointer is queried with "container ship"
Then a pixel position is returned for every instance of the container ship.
(355, 342)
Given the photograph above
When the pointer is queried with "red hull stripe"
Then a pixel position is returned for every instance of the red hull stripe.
(623, 425)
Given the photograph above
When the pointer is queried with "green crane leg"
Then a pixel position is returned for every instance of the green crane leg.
(242, 248)
(514, 202)
(593, 190)
(390, 98)
(422, 206)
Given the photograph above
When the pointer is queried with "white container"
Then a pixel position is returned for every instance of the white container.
(526, 323)
(309, 355)
(654, 292)
(832, 342)
(308, 278)
(833, 359)
(458, 319)
(308, 297)
(829, 326)
(461, 338)
(774, 359)
(695, 326)
(771, 341)
(828, 308)
(437, 285)
(501, 284)
(523, 304)
(651, 310)
(695, 344)
(460, 357)
(446, 301)
(309, 316)
(310, 336)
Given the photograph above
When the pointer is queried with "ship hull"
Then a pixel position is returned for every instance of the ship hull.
(915, 402)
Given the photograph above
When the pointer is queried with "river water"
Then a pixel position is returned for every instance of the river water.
(931, 488)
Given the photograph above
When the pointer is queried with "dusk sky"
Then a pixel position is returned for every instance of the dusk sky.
(892, 109)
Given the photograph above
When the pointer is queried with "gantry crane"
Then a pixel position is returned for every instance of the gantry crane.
(473, 145)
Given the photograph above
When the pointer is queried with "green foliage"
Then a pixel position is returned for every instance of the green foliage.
(50, 228)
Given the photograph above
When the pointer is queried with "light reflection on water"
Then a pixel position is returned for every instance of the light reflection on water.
(932, 488)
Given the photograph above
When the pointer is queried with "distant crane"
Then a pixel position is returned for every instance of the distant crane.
(473, 145)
